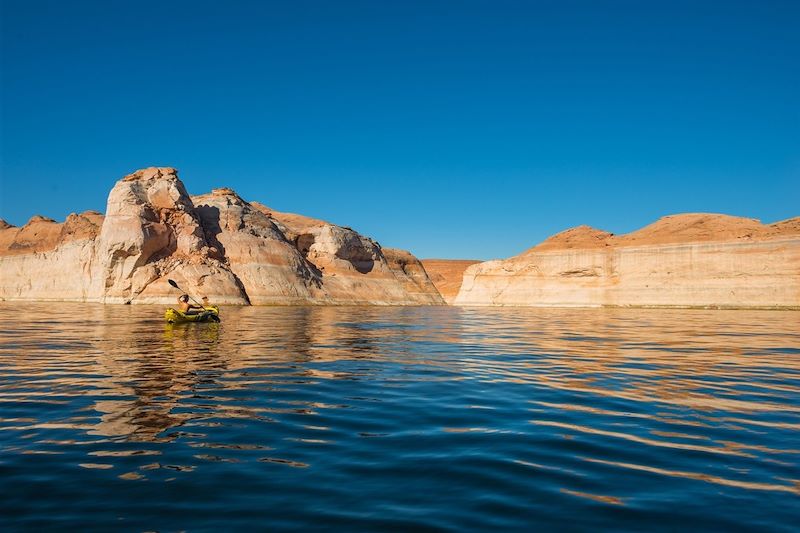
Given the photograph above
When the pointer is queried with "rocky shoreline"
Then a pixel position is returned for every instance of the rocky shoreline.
(216, 244)
(683, 261)
(244, 253)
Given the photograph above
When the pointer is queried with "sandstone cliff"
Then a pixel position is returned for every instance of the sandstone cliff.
(215, 244)
(288, 258)
(447, 274)
(690, 260)
(45, 259)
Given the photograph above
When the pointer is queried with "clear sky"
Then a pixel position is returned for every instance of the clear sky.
(453, 129)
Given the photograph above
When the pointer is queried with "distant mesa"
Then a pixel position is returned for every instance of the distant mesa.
(577, 237)
(672, 229)
(704, 227)
(687, 260)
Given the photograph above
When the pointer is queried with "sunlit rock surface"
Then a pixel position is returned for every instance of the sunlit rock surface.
(45, 259)
(216, 244)
(447, 275)
(689, 260)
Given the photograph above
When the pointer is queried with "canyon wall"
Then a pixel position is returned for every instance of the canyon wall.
(692, 260)
(216, 244)
(447, 275)
(240, 252)
(48, 259)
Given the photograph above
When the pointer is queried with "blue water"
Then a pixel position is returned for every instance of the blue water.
(399, 418)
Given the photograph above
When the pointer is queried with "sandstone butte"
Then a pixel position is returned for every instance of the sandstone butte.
(687, 260)
(216, 244)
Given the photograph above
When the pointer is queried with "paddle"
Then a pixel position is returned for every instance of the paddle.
(215, 318)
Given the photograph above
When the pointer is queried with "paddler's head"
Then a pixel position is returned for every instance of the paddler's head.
(205, 300)
(183, 298)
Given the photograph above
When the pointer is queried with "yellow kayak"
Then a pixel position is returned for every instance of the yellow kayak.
(210, 314)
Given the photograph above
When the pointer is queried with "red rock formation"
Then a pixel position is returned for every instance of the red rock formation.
(687, 260)
(283, 258)
(216, 244)
(447, 275)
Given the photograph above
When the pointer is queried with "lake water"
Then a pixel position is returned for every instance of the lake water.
(399, 418)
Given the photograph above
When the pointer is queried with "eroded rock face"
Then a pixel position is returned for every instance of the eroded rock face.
(447, 275)
(271, 269)
(692, 260)
(217, 245)
(45, 260)
(42, 234)
(412, 271)
(152, 233)
(283, 258)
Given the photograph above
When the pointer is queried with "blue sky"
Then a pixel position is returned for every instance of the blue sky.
(452, 129)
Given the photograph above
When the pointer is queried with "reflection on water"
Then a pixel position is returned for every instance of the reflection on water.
(380, 418)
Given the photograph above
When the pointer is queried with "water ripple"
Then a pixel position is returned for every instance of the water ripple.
(399, 418)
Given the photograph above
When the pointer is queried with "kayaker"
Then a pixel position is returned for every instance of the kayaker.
(206, 303)
(185, 307)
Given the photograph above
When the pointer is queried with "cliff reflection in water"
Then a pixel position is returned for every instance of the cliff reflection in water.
(156, 372)
(570, 408)
(190, 361)
(679, 358)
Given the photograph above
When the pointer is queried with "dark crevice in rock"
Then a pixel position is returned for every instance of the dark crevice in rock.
(209, 217)
(241, 286)
(303, 243)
